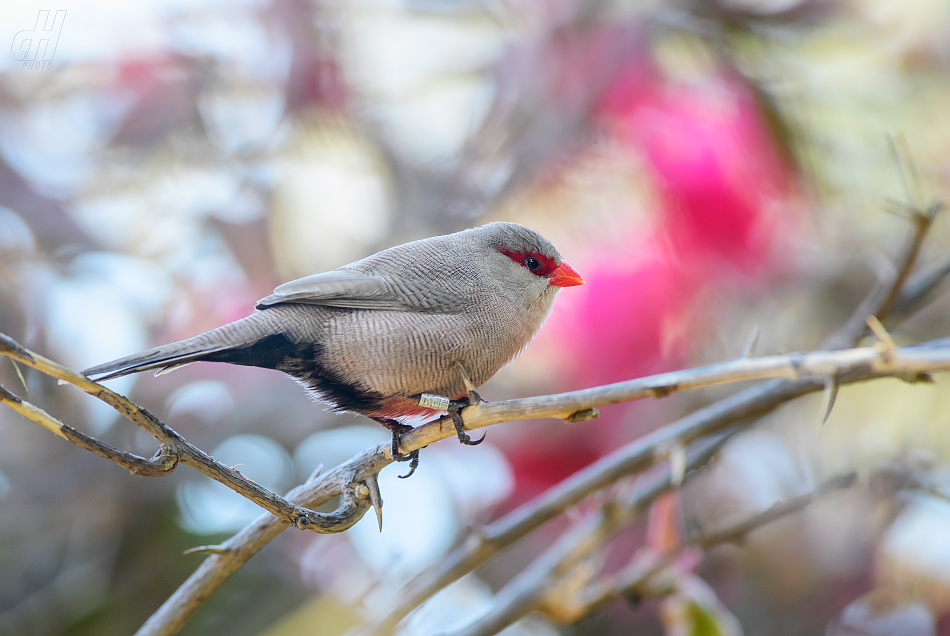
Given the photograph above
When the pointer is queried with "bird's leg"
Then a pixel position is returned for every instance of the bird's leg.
(456, 406)
(397, 429)
(454, 409)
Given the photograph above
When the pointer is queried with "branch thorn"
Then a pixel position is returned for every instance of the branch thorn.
(829, 395)
(886, 344)
(473, 396)
(19, 374)
(749, 349)
(907, 168)
(314, 475)
(372, 485)
(208, 549)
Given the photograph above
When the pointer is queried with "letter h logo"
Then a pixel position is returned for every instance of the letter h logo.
(27, 44)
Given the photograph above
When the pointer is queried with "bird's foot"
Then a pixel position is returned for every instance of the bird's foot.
(456, 406)
(412, 458)
(397, 429)
(455, 410)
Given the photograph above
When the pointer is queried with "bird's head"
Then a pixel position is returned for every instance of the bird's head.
(523, 260)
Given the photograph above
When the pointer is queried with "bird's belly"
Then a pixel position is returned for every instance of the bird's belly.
(403, 354)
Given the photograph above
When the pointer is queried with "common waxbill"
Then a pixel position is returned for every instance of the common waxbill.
(394, 329)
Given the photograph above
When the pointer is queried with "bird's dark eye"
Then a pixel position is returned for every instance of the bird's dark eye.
(532, 263)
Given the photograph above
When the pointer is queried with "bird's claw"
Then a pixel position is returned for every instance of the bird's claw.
(412, 458)
(397, 429)
(455, 410)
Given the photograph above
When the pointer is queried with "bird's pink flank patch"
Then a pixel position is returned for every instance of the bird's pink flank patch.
(408, 411)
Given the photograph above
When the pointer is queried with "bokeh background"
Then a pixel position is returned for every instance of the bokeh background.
(708, 166)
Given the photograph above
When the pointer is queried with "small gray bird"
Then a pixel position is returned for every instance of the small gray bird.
(390, 336)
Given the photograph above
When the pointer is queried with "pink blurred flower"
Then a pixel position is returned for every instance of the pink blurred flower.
(718, 171)
(723, 191)
(724, 196)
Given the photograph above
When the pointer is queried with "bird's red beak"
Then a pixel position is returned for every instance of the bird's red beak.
(565, 276)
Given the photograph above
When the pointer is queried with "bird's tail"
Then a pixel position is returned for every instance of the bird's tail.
(221, 344)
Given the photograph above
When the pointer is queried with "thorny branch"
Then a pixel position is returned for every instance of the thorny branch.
(528, 590)
(851, 365)
(175, 449)
(355, 480)
(638, 580)
(550, 584)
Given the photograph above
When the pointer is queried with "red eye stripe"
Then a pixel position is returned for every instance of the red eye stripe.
(548, 264)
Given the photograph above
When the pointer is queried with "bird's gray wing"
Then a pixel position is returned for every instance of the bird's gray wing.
(342, 288)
